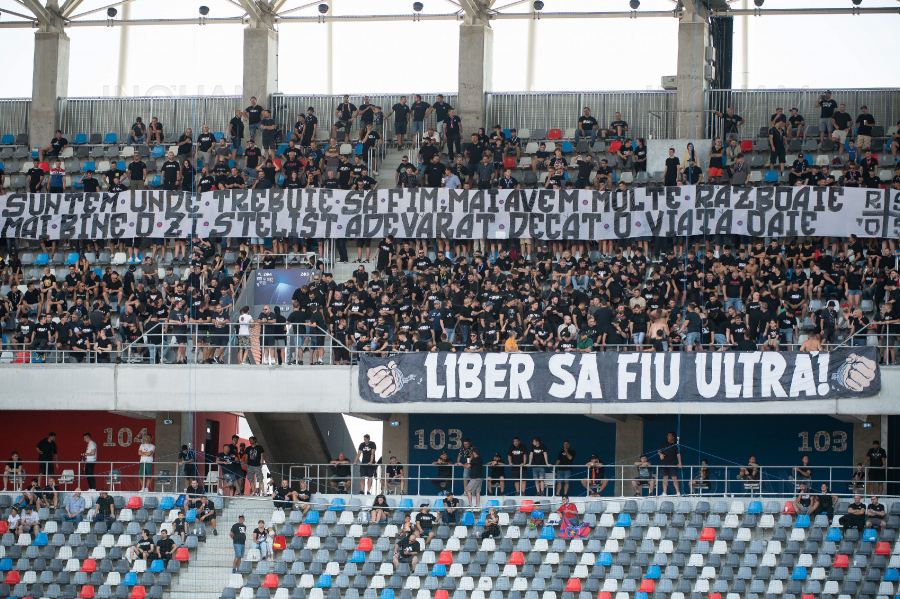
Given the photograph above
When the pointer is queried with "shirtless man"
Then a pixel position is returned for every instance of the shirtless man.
(813, 343)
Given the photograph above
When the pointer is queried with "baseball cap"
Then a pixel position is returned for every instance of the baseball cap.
(594, 456)
(423, 505)
(241, 516)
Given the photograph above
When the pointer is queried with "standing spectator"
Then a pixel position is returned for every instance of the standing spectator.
(253, 113)
(401, 121)
(516, 457)
(733, 124)
(74, 507)
(669, 461)
(865, 122)
(803, 472)
(205, 143)
(254, 467)
(138, 133)
(236, 131)
(15, 471)
(444, 480)
(366, 114)
(136, 172)
(420, 109)
(90, 461)
(365, 456)
(827, 105)
(464, 457)
(393, 477)
(47, 456)
(776, 146)
(104, 508)
(185, 146)
(538, 461)
(672, 169)
(563, 472)
(35, 177)
(476, 478)
(345, 113)
(188, 464)
(56, 184)
(876, 464)
(587, 126)
(842, 121)
(267, 125)
(238, 536)
(451, 128)
(145, 470)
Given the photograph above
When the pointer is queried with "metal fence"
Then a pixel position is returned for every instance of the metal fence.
(116, 115)
(757, 106)
(649, 114)
(288, 107)
(14, 116)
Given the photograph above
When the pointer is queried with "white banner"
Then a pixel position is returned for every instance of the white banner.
(457, 214)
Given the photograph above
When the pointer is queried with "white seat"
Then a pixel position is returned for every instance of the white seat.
(332, 569)
(520, 584)
(550, 595)
(554, 519)
(767, 521)
(607, 520)
(743, 534)
(108, 540)
(235, 581)
(346, 518)
(737, 507)
(387, 569)
(510, 571)
(485, 583)
(886, 588)
(488, 545)
(313, 543)
(252, 555)
(576, 546)
(246, 593)
(798, 534)
(51, 527)
(768, 560)
(708, 572)
(512, 532)
(619, 533)
(123, 541)
(452, 544)
(696, 560)
(307, 581)
(720, 548)
(611, 546)
(666, 546)
(316, 593)
(72, 565)
(466, 583)
(541, 545)
(588, 559)
(831, 588)
(99, 552)
(461, 532)
(653, 533)
(731, 521)
(24, 540)
(504, 519)
(115, 579)
(626, 177)
(282, 593)
(776, 587)
(356, 531)
(413, 582)
(83, 528)
(581, 571)
(456, 571)
(65, 553)
(817, 574)
(552, 558)
(391, 531)
(610, 585)
(29, 577)
(423, 594)
(805, 560)
(346, 149)
(118, 260)
(377, 582)
(127, 151)
(476, 594)
(277, 517)
(701, 586)
(139, 566)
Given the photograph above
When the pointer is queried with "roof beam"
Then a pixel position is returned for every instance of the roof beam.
(476, 11)
(45, 18)
(69, 7)
(260, 14)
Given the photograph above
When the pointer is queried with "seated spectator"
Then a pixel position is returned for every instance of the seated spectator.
(30, 523)
(304, 497)
(340, 479)
(491, 525)
(596, 479)
(260, 541)
(643, 476)
(536, 519)
(12, 521)
(827, 502)
(701, 482)
(284, 497)
(406, 550)
(137, 134)
(75, 507)
(425, 523)
(165, 547)
(587, 126)
(855, 516)
(180, 527)
(143, 549)
(380, 510)
(104, 509)
(394, 477)
(444, 479)
(194, 495)
(451, 509)
(751, 471)
(49, 495)
(857, 482)
(805, 502)
(206, 514)
(874, 515)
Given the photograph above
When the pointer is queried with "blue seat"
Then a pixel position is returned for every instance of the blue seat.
(604, 559)
(324, 581)
(891, 575)
(482, 519)
(6, 564)
(802, 521)
(218, 135)
(158, 152)
(771, 177)
(337, 505)
(230, 163)
(834, 534)
(42, 260)
(88, 166)
(120, 164)
(870, 535)
(387, 594)
(755, 507)
(167, 503)
(156, 566)
(180, 501)
(624, 520)
(191, 515)
(156, 181)
(111, 138)
(468, 519)
(279, 180)
(130, 579)
(312, 517)
(406, 503)
(80, 139)
(40, 539)
(438, 570)
(281, 149)
(358, 557)
(653, 573)
(799, 573)
(640, 596)
(358, 150)
(548, 533)
(72, 258)
(7, 140)
(567, 147)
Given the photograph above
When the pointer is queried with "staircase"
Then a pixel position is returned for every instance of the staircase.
(209, 571)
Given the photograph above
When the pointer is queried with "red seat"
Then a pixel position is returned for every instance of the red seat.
(441, 594)
(509, 162)
(277, 162)
(789, 508)
(4, 527)
(715, 596)
(841, 561)
(89, 565)
(517, 558)
(604, 595)
(807, 596)
(365, 544)
(746, 146)
(12, 577)
(647, 586)
(182, 554)
(554, 134)
(883, 548)
(138, 592)
(134, 503)
(45, 166)
(271, 581)
(573, 586)
(708, 534)
(304, 530)
(445, 558)
(280, 544)
(87, 592)
(527, 506)
(615, 146)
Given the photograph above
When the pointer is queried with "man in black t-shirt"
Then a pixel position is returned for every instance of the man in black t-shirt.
(842, 120)
(776, 146)
(55, 147)
(47, 455)
(452, 126)
(236, 130)
(254, 467)
(341, 473)
(424, 522)
(828, 106)
(876, 464)
(875, 515)
(206, 514)
(564, 461)
(267, 125)
(401, 121)
(855, 516)
(587, 126)
(35, 177)
(406, 551)
(136, 172)
(670, 462)
(238, 536)
(733, 124)
(171, 173)
(420, 110)
(365, 456)
(253, 113)
(516, 455)
(205, 143)
(476, 478)
(538, 461)
(345, 113)
(865, 122)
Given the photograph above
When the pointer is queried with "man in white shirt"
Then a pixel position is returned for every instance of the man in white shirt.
(90, 460)
(244, 336)
(29, 522)
(146, 450)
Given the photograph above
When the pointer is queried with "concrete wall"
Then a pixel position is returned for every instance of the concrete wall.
(50, 82)
(476, 47)
(629, 443)
(325, 389)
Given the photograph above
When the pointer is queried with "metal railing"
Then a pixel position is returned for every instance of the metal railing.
(14, 116)
(163, 476)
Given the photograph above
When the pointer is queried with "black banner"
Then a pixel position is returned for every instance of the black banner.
(614, 377)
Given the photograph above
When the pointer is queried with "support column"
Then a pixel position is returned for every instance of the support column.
(50, 82)
(168, 440)
(693, 38)
(629, 443)
(476, 56)
(260, 67)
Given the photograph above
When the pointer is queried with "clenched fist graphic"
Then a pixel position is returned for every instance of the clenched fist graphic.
(856, 373)
(385, 380)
